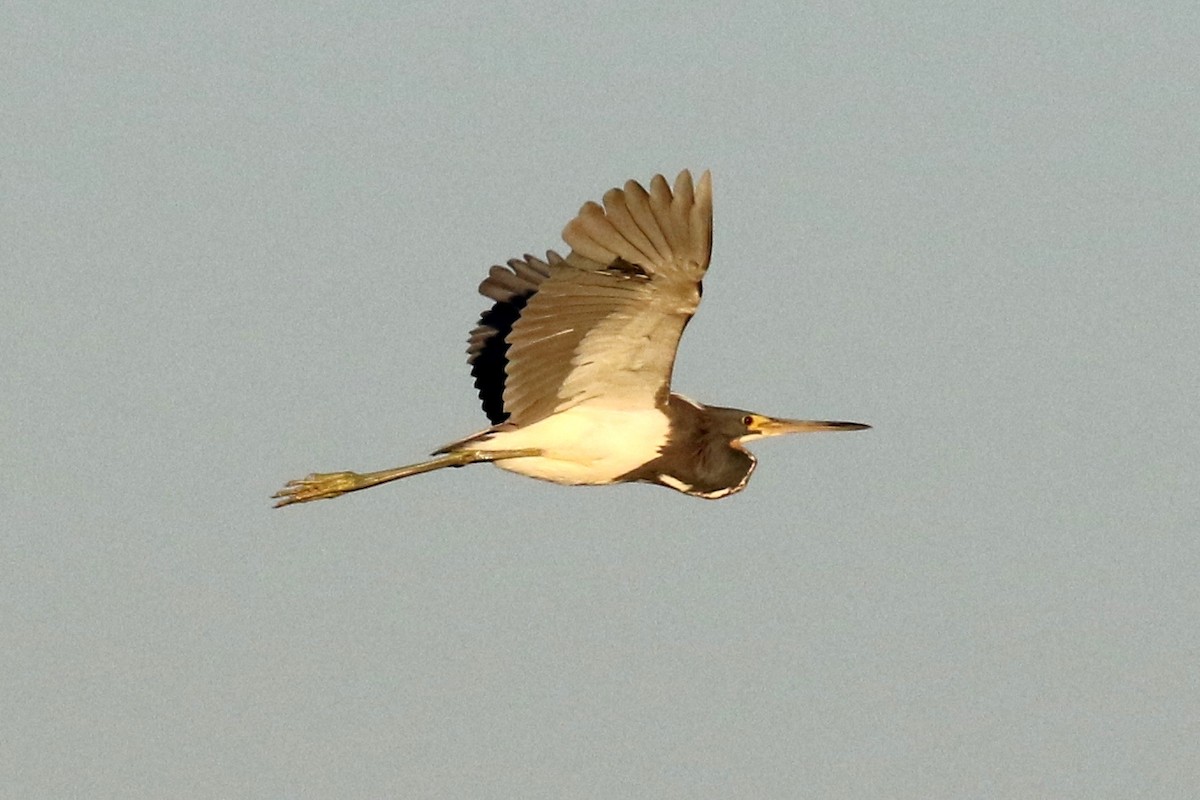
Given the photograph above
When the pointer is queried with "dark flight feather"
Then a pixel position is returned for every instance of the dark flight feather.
(487, 349)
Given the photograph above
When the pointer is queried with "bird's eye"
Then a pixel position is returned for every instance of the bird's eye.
(747, 420)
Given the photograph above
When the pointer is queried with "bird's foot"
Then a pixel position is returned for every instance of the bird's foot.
(318, 486)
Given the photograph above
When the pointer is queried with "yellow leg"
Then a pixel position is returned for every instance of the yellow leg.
(322, 485)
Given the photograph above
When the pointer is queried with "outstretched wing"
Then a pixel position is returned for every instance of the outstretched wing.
(603, 324)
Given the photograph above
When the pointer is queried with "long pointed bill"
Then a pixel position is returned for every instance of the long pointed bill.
(779, 427)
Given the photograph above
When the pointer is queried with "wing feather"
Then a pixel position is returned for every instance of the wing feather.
(660, 207)
(681, 211)
(487, 346)
(638, 202)
(583, 241)
(595, 223)
(623, 220)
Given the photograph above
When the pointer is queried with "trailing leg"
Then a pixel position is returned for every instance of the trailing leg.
(323, 485)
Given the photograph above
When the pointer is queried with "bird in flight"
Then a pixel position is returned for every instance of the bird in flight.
(573, 360)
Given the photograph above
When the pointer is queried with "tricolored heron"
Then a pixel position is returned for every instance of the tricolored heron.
(573, 361)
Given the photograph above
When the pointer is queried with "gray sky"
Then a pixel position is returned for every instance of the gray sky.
(242, 244)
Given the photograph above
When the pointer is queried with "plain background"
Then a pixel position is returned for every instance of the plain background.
(240, 242)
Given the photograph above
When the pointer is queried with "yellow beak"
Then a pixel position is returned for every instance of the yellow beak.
(767, 426)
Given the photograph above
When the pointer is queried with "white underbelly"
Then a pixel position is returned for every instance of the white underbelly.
(584, 445)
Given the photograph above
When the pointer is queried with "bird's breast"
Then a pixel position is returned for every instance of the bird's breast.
(585, 444)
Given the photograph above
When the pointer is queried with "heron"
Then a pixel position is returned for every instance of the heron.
(573, 361)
